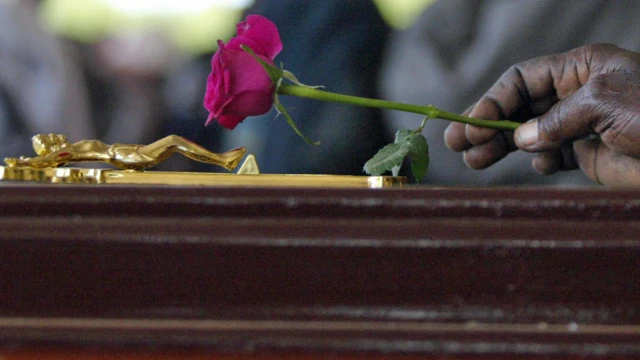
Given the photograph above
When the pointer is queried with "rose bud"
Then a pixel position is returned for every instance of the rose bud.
(238, 85)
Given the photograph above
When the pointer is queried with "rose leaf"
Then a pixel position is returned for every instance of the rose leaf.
(281, 109)
(390, 158)
(386, 159)
(419, 153)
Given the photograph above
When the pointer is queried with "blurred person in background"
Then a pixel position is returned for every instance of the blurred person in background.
(109, 90)
(125, 77)
(41, 85)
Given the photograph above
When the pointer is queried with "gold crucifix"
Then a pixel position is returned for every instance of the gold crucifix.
(54, 150)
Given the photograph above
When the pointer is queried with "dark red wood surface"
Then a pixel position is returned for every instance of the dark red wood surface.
(444, 273)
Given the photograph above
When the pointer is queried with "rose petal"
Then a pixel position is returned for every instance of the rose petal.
(262, 31)
(210, 93)
(238, 86)
(247, 89)
(249, 103)
(246, 73)
(237, 42)
(230, 122)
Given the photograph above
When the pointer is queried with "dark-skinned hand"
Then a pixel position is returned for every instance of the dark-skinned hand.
(582, 110)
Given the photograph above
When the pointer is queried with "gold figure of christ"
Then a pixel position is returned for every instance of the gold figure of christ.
(54, 150)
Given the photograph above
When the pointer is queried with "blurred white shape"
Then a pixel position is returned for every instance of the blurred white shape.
(173, 7)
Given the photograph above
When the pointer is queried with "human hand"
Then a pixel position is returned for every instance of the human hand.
(583, 109)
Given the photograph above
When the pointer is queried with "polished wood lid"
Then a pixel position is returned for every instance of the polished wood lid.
(415, 271)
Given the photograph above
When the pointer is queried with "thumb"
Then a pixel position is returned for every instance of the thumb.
(569, 119)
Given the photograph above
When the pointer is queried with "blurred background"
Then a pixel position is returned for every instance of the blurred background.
(134, 71)
(189, 24)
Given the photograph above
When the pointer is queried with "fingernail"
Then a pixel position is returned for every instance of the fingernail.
(527, 134)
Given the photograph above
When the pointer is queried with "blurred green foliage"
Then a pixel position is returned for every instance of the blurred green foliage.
(92, 20)
(400, 14)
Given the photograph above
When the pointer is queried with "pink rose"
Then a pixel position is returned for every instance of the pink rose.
(238, 86)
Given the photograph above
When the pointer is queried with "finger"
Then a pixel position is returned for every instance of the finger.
(586, 152)
(619, 121)
(478, 135)
(546, 163)
(487, 154)
(606, 166)
(605, 105)
(487, 109)
(570, 119)
(524, 88)
(534, 85)
(550, 162)
(526, 83)
(455, 138)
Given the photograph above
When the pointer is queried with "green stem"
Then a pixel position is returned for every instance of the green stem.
(429, 110)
